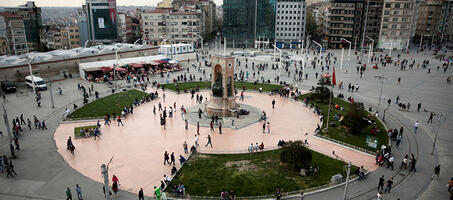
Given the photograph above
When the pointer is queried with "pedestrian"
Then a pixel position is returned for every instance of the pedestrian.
(273, 103)
(412, 163)
(79, 192)
(141, 196)
(220, 127)
(430, 120)
(419, 106)
(119, 121)
(264, 127)
(68, 194)
(388, 188)
(209, 141)
(416, 125)
(381, 183)
(196, 141)
(198, 128)
(186, 125)
(379, 196)
(166, 158)
(390, 162)
(269, 127)
(302, 195)
(172, 158)
(211, 125)
(186, 150)
(436, 172)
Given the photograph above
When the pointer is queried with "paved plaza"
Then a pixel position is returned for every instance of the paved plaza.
(45, 168)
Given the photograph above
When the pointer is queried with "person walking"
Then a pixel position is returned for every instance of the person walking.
(273, 103)
(211, 125)
(268, 127)
(379, 196)
(196, 141)
(416, 125)
(186, 150)
(419, 106)
(78, 189)
(209, 141)
(381, 183)
(166, 157)
(119, 121)
(172, 158)
(388, 188)
(264, 127)
(68, 194)
(198, 128)
(220, 127)
(436, 172)
(430, 120)
(141, 196)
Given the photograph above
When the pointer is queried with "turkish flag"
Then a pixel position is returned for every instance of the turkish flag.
(334, 81)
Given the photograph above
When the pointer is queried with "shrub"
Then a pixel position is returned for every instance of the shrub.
(355, 119)
(296, 154)
(321, 92)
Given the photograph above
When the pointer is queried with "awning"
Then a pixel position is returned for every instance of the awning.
(137, 65)
(161, 61)
(120, 69)
(172, 61)
(105, 69)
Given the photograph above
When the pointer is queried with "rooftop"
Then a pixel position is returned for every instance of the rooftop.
(38, 57)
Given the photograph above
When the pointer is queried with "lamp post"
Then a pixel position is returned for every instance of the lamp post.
(280, 61)
(441, 118)
(200, 38)
(105, 175)
(345, 192)
(364, 31)
(31, 75)
(350, 43)
(5, 119)
(341, 62)
(117, 65)
(320, 48)
(51, 93)
(381, 77)
(137, 41)
(371, 48)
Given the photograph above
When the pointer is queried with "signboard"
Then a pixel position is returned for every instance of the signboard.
(371, 142)
(101, 22)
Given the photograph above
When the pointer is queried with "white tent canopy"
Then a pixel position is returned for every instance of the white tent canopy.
(94, 66)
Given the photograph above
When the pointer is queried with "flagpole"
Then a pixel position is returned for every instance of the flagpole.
(333, 82)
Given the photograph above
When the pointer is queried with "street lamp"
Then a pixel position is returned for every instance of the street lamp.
(199, 37)
(441, 118)
(345, 193)
(280, 63)
(5, 119)
(320, 48)
(350, 43)
(137, 41)
(117, 65)
(105, 174)
(31, 74)
(381, 77)
(371, 48)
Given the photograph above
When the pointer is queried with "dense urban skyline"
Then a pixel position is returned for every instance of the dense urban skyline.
(78, 3)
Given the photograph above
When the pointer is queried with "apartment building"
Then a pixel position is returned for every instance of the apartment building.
(31, 17)
(290, 23)
(429, 19)
(345, 21)
(14, 30)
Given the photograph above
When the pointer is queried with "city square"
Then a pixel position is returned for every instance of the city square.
(221, 119)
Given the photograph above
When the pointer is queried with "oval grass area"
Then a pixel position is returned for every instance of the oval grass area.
(251, 174)
(114, 103)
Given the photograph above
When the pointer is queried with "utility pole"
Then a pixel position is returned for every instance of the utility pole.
(105, 175)
(51, 94)
(345, 193)
(5, 119)
(364, 31)
(440, 120)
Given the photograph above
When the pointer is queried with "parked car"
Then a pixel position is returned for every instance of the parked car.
(38, 82)
(8, 86)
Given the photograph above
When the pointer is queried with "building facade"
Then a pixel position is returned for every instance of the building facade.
(290, 23)
(74, 36)
(373, 22)
(82, 22)
(398, 23)
(31, 16)
(163, 24)
(429, 20)
(446, 25)
(15, 33)
(345, 21)
(102, 20)
(122, 30)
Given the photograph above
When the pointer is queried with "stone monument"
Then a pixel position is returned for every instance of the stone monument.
(222, 102)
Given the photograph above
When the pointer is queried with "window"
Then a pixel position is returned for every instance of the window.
(397, 5)
(387, 5)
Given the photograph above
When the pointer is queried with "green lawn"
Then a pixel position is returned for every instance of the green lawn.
(77, 130)
(250, 174)
(340, 134)
(206, 84)
(109, 104)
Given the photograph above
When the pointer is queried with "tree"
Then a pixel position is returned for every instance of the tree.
(321, 92)
(355, 118)
(312, 28)
(296, 154)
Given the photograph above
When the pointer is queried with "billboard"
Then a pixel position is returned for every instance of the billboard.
(104, 24)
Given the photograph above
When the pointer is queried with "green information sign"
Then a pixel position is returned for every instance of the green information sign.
(371, 141)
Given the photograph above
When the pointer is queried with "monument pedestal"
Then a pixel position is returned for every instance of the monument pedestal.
(222, 107)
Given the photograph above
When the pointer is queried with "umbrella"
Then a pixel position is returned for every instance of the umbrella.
(172, 61)
(165, 59)
(137, 65)
(120, 69)
(325, 75)
(126, 65)
(106, 69)
(161, 61)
